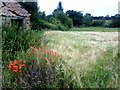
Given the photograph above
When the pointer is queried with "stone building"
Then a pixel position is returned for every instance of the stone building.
(13, 12)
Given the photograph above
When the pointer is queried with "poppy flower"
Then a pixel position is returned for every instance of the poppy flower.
(15, 62)
(9, 66)
(30, 66)
(48, 63)
(20, 66)
(43, 53)
(24, 61)
(44, 58)
(20, 71)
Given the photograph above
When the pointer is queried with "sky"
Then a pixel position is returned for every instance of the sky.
(94, 7)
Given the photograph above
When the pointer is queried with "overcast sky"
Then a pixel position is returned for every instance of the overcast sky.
(94, 7)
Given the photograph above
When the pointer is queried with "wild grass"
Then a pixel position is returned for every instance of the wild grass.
(89, 60)
(96, 29)
(91, 57)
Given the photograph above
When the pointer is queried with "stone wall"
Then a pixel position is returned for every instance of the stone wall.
(27, 23)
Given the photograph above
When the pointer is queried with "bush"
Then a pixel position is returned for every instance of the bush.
(108, 23)
(116, 22)
(13, 41)
(50, 26)
(98, 23)
(40, 68)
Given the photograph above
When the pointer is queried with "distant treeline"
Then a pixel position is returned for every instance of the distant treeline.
(60, 20)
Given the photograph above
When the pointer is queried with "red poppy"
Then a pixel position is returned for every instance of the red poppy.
(20, 66)
(20, 70)
(48, 63)
(15, 62)
(44, 58)
(15, 67)
(24, 61)
(30, 66)
(43, 53)
(9, 66)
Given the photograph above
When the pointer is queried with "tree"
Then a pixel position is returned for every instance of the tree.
(116, 21)
(42, 15)
(60, 8)
(33, 9)
(77, 17)
(87, 20)
(60, 15)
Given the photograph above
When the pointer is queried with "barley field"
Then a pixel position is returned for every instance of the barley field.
(91, 55)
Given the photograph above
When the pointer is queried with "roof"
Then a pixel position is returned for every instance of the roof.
(12, 9)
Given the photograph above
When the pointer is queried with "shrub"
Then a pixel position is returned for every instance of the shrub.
(13, 41)
(98, 23)
(116, 21)
(108, 23)
(41, 68)
(50, 26)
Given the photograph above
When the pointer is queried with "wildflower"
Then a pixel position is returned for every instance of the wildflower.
(48, 51)
(21, 65)
(30, 66)
(15, 62)
(44, 58)
(57, 55)
(15, 68)
(48, 63)
(53, 53)
(9, 66)
(24, 61)
(43, 53)
(20, 60)
(20, 70)
(35, 49)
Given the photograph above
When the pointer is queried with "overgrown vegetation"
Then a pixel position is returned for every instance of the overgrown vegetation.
(13, 41)
(60, 59)
(27, 63)
(60, 20)
(85, 68)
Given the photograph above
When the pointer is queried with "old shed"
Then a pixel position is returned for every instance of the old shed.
(13, 12)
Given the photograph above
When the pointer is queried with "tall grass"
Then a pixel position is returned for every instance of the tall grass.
(76, 68)
(104, 73)
(96, 29)
(84, 70)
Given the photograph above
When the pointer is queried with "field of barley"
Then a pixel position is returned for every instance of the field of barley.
(92, 56)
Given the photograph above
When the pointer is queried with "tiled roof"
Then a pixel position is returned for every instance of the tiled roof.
(12, 9)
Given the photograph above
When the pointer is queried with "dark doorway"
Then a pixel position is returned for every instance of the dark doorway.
(17, 22)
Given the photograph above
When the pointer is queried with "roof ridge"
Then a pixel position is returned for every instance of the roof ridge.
(14, 8)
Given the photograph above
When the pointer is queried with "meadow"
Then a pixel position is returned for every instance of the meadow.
(90, 57)
(90, 52)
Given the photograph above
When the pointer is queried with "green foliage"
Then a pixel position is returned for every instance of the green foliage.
(13, 41)
(87, 19)
(108, 23)
(98, 23)
(42, 74)
(77, 17)
(62, 17)
(116, 21)
(32, 8)
(104, 73)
